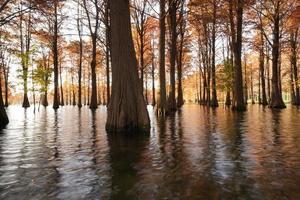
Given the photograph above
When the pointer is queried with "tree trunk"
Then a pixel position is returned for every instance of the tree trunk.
(161, 107)
(294, 68)
(127, 109)
(276, 98)
(93, 103)
(62, 101)
(108, 47)
(55, 59)
(153, 81)
(6, 72)
(3, 116)
(173, 52)
(214, 100)
(262, 71)
(238, 104)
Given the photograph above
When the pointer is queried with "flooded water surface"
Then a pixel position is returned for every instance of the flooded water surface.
(199, 153)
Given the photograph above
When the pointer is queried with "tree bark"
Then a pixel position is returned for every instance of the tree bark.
(173, 53)
(127, 109)
(236, 33)
(3, 116)
(108, 48)
(214, 99)
(55, 58)
(262, 71)
(276, 96)
(161, 107)
(294, 68)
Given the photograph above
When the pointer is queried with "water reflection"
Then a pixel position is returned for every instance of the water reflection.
(197, 153)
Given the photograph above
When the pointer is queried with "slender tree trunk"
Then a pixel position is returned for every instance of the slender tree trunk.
(127, 108)
(93, 103)
(251, 84)
(173, 53)
(24, 62)
(214, 100)
(79, 29)
(294, 68)
(161, 107)
(55, 58)
(262, 71)
(153, 81)
(3, 116)
(108, 48)
(6, 73)
(62, 101)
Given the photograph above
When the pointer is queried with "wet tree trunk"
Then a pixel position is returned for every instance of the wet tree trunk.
(80, 70)
(108, 47)
(251, 86)
(245, 80)
(236, 33)
(153, 80)
(6, 74)
(93, 103)
(24, 60)
(276, 96)
(214, 99)
(294, 68)
(3, 116)
(62, 101)
(55, 59)
(262, 71)
(162, 102)
(173, 53)
(228, 99)
(268, 74)
(127, 109)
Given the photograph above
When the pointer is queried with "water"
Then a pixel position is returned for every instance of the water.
(198, 153)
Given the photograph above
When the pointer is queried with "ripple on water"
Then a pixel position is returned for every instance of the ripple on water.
(198, 153)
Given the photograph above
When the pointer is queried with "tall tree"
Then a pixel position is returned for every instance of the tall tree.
(236, 9)
(162, 101)
(127, 108)
(93, 28)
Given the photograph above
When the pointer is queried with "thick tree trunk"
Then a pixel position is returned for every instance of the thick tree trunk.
(162, 101)
(238, 103)
(214, 100)
(55, 59)
(45, 99)
(276, 98)
(3, 116)
(228, 99)
(127, 109)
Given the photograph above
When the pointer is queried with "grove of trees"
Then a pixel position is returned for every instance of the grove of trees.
(126, 54)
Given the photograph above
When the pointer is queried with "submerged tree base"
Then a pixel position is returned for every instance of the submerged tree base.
(3, 118)
(128, 129)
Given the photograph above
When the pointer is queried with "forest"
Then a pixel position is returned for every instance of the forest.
(149, 99)
(131, 54)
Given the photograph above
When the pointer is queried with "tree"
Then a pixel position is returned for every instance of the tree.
(94, 35)
(162, 101)
(127, 108)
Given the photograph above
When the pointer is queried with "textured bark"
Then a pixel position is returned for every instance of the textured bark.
(276, 96)
(262, 71)
(214, 99)
(79, 63)
(153, 81)
(294, 68)
(25, 59)
(3, 116)
(236, 34)
(108, 48)
(173, 53)
(55, 58)
(127, 109)
(162, 101)
(62, 101)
